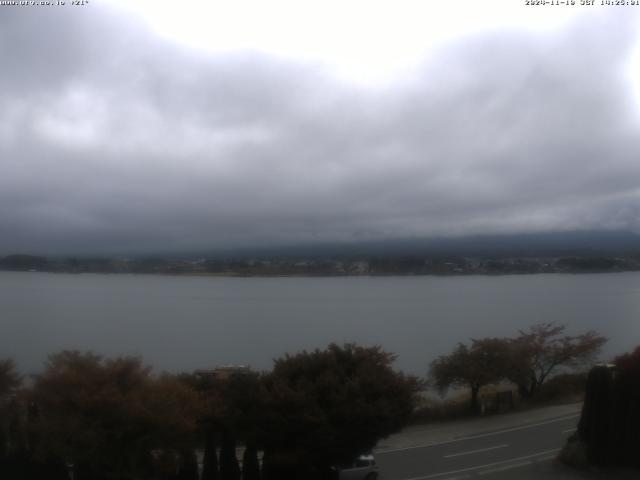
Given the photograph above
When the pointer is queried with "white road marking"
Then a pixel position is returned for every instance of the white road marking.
(506, 467)
(547, 458)
(461, 477)
(475, 451)
(482, 435)
(479, 467)
(568, 430)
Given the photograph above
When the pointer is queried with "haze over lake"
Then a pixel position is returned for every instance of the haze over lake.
(184, 323)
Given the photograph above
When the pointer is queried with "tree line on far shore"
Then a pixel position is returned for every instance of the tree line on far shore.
(114, 419)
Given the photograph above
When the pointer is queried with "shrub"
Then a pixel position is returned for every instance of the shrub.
(567, 386)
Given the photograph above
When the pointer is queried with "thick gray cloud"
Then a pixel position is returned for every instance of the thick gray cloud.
(113, 139)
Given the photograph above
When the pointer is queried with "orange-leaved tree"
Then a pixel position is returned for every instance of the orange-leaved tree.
(108, 417)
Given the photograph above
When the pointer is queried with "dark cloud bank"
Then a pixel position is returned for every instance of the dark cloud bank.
(113, 140)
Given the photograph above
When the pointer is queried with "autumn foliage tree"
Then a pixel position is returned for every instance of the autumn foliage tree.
(527, 360)
(107, 417)
(484, 362)
(544, 349)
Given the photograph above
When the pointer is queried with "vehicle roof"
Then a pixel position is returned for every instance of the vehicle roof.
(368, 456)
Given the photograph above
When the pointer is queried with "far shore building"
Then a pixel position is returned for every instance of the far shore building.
(223, 372)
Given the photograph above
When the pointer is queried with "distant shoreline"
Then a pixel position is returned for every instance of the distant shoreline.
(328, 275)
(295, 267)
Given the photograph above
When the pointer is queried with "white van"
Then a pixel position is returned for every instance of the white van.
(362, 468)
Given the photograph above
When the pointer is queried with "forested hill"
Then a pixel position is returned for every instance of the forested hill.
(498, 254)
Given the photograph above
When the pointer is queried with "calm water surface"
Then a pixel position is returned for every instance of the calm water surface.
(182, 323)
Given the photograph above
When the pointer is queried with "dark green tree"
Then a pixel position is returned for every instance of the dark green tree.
(325, 407)
(235, 401)
(609, 427)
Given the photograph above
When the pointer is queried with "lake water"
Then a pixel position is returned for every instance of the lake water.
(183, 323)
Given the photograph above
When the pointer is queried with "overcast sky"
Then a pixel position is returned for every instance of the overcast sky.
(191, 125)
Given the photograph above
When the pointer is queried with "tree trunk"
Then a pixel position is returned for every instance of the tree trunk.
(475, 406)
(523, 391)
(266, 469)
(188, 465)
(210, 460)
(166, 466)
(533, 388)
(229, 468)
(528, 389)
(250, 463)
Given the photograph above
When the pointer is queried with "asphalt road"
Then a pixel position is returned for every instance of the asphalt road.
(524, 451)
